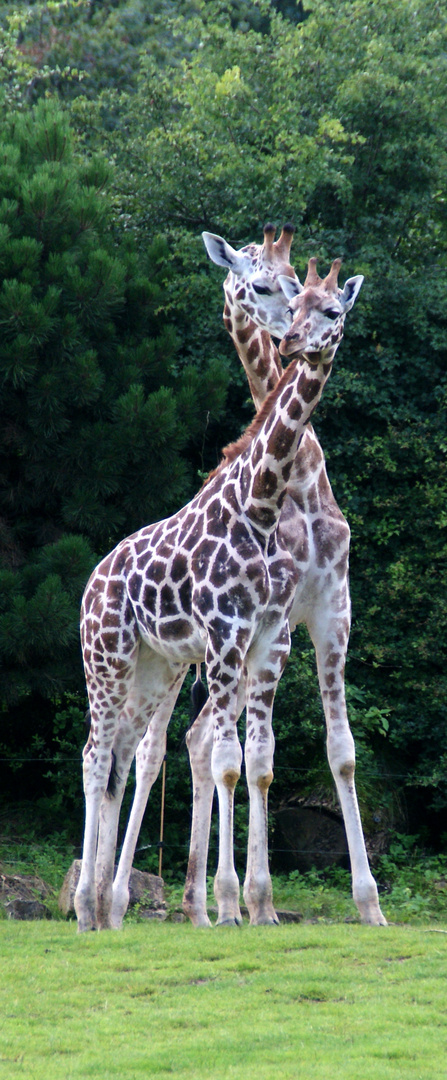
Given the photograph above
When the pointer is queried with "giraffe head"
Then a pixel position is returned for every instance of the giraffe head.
(252, 285)
(318, 309)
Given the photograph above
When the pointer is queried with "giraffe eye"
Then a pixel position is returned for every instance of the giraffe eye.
(331, 314)
(262, 290)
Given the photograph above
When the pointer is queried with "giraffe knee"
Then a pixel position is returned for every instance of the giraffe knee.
(264, 781)
(230, 778)
(347, 769)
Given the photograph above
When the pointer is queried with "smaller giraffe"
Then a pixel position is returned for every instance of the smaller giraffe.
(316, 533)
(214, 581)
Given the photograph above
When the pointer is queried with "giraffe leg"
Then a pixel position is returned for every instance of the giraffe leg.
(265, 666)
(226, 768)
(200, 744)
(97, 763)
(149, 756)
(154, 681)
(224, 671)
(329, 633)
(199, 741)
(126, 742)
(96, 770)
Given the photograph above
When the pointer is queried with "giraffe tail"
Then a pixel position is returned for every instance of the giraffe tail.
(199, 695)
(113, 779)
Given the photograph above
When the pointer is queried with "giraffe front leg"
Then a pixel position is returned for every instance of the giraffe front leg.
(224, 672)
(258, 893)
(330, 640)
(200, 745)
(199, 741)
(226, 762)
(341, 756)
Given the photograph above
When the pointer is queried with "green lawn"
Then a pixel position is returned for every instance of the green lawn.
(321, 1002)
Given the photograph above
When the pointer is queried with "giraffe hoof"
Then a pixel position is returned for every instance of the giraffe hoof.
(265, 920)
(203, 923)
(85, 928)
(374, 920)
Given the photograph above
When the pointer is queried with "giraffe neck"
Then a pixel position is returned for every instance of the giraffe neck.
(267, 465)
(256, 350)
(262, 364)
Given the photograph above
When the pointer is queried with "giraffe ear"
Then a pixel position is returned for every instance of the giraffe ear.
(290, 286)
(350, 292)
(223, 254)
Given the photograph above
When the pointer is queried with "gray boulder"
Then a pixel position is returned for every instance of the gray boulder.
(146, 890)
(27, 909)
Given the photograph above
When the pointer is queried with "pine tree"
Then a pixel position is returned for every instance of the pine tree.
(99, 414)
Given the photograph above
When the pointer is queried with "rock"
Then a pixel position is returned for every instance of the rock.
(65, 900)
(307, 837)
(22, 896)
(146, 890)
(27, 909)
(286, 916)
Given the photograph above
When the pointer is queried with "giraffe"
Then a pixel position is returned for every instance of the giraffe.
(317, 536)
(261, 265)
(212, 582)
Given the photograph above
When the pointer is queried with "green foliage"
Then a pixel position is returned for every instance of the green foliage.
(46, 859)
(99, 413)
(222, 115)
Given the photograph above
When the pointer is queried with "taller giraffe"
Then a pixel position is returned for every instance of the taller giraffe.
(265, 264)
(317, 536)
(216, 582)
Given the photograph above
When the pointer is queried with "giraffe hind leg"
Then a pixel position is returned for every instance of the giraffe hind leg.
(151, 697)
(149, 757)
(329, 631)
(265, 665)
(127, 739)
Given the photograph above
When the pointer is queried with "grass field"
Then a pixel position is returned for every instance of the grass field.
(320, 1002)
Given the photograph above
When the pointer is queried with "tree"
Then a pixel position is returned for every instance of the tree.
(336, 124)
(235, 116)
(98, 416)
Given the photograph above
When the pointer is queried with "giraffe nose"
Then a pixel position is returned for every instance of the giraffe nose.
(292, 342)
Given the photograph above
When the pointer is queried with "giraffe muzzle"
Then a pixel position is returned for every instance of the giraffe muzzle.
(292, 346)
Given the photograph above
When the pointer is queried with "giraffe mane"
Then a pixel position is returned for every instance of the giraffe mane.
(235, 449)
